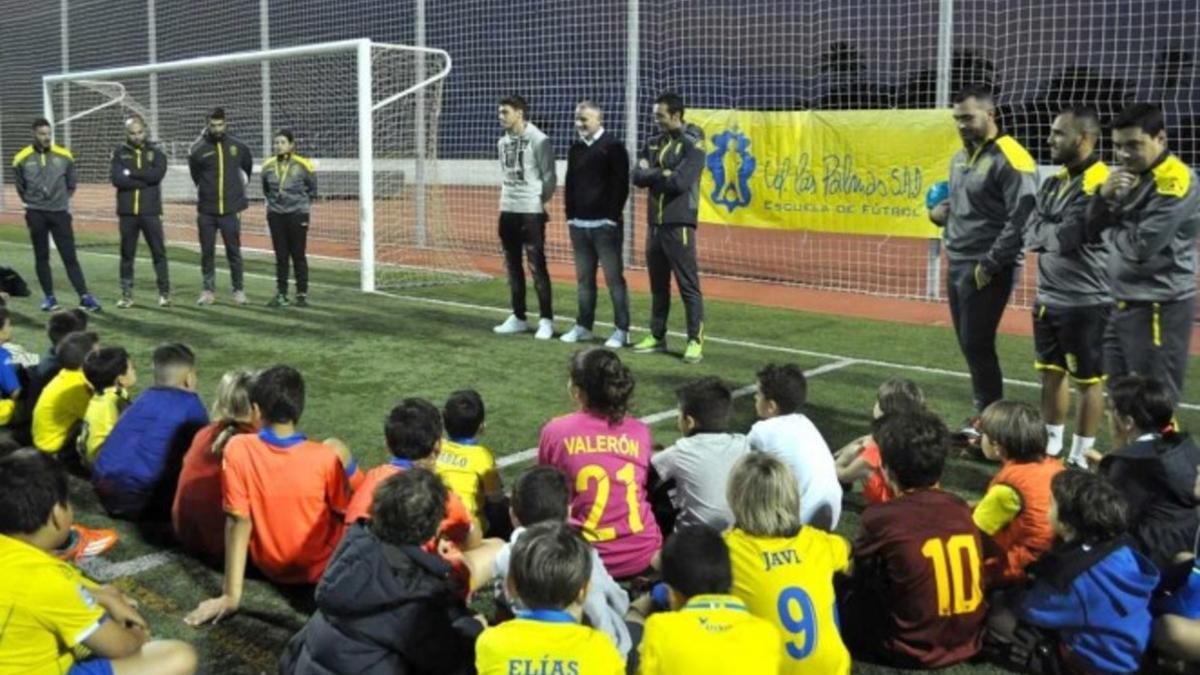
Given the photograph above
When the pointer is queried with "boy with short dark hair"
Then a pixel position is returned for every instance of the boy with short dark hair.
(468, 467)
(700, 461)
(51, 610)
(136, 472)
(58, 326)
(111, 374)
(785, 433)
(64, 400)
(284, 495)
(916, 596)
(542, 495)
(709, 631)
(381, 582)
(551, 566)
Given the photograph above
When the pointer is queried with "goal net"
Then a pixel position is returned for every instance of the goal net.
(366, 113)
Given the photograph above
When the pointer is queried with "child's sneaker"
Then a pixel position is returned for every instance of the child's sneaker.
(239, 298)
(86, 301)
(650, 344)
(125, 302)
(693, 353)
(206, 298)
(280, 300)
(50, 304)
(301, 300)
(85, 542)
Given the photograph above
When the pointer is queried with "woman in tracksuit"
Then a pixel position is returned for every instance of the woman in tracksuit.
(289, 186)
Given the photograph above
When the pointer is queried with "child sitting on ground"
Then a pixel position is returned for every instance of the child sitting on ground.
(1154, 468)
(414, 435)
(916, 598)
(786, 434)
(605, 454)
(10, 383)
(64, 400)
(385, 605)
(1088, 608)
(700, 461)
(110, 373)
(859, 459)
(1015, 511)
(53, 615)
(137, 470)
(709, 631)
(542, 495)
(784, 569)
(468, 467)
(551, 566)
(196, 514)
(284, 496)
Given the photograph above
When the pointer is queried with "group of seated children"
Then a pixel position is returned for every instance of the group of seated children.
(713, 555)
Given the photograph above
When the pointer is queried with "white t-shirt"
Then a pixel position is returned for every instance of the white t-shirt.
(700, 466)
(795, 441)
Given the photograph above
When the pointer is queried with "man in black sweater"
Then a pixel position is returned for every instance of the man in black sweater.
(596, 189)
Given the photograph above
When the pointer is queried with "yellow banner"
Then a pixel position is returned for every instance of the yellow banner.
(855, 172)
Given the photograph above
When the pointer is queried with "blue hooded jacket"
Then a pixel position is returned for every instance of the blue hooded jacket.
(1097, 597)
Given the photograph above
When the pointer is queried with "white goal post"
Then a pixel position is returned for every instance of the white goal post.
(374, 94)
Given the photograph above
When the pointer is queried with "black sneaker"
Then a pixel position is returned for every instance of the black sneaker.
(301, 300)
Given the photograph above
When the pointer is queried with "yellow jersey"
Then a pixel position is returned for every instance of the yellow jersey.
(60, 407)
(546, 642)
(789, 582)
(469, 471)
(47, 611)
(710, 635)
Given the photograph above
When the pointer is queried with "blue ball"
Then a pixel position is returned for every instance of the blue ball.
(938, 193)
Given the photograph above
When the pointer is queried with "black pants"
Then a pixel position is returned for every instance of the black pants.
(289, 236)
(976, 315)
(43, 225)
(230, 227)
(525, 234)
(151, 228)
(671, 249)
(600, 245)
(1150, 339)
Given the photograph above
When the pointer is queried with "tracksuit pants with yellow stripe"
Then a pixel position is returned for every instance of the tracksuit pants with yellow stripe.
(671, 250)
(1150, 339)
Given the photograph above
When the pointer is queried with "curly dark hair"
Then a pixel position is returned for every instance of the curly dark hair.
(605, 382)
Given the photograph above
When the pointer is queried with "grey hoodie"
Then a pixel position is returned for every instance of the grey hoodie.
(527, 161)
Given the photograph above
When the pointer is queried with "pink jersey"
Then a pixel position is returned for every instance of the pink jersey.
(607, 466)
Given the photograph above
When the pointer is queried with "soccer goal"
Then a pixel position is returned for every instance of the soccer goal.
(367, 114)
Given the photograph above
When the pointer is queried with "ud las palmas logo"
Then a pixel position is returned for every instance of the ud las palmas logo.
(731, 165)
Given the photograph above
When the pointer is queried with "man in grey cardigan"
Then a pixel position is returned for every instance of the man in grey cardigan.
(527, 161)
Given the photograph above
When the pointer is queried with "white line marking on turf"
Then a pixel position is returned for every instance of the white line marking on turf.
(655, 418)
(747, 344)
(104, 571)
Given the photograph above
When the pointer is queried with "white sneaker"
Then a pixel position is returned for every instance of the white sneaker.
(545, 329)
(511, 326)
(577, 334)
(618, 340)
(239, 297)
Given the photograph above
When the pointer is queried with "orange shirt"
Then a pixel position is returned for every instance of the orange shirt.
(455, 527)
(197, 514)
(294, 491)
(875, 488)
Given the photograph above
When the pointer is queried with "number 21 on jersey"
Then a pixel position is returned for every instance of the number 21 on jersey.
(595, 474)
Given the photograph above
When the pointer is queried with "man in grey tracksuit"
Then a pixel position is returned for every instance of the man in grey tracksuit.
(1073, 297)
(669, 167)
(1148, 211)
(44, 175)
(527, 161)
(137, 168)
(993, 191)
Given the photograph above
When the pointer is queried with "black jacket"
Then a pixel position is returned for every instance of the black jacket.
(1156, 477)
(217, 169)
(383, 610)
(674, 199)
(597, 179)
(137, 173)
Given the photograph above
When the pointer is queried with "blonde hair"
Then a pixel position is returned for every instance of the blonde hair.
(764, 496)
(232, 406)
